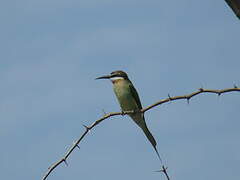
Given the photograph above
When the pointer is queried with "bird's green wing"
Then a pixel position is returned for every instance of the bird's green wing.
(135, 95)
(143, 125)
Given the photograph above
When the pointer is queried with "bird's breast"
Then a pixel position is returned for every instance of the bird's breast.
(124, 96)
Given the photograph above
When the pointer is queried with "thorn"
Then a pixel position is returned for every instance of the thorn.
(188, 100)
(122, 113)
(235, 86)
(65, 161)
(169, 97)
(164, 169)
(219, 94)
(77, 146)
(201, 89)
(87, 128)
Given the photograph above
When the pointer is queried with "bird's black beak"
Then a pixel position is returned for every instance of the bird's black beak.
(104, 77)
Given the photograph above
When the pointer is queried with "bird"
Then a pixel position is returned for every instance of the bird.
(129, 100)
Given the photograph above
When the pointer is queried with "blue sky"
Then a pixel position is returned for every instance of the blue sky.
(51, 51)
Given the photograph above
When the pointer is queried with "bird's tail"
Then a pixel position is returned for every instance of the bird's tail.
(140, 121)
(151, 139)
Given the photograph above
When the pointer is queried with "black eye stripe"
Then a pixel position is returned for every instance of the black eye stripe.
(117, 75)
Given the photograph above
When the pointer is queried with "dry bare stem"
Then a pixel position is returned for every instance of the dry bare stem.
(106, 116)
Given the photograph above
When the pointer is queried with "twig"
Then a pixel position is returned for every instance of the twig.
(106, 116)
(76, 144)
(189, 96)
(164, 170)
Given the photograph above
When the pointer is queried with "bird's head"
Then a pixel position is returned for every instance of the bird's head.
(115, 76)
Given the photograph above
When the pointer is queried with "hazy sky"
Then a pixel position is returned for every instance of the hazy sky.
(51, 51)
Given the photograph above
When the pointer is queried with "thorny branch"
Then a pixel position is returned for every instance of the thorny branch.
(106, 116)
